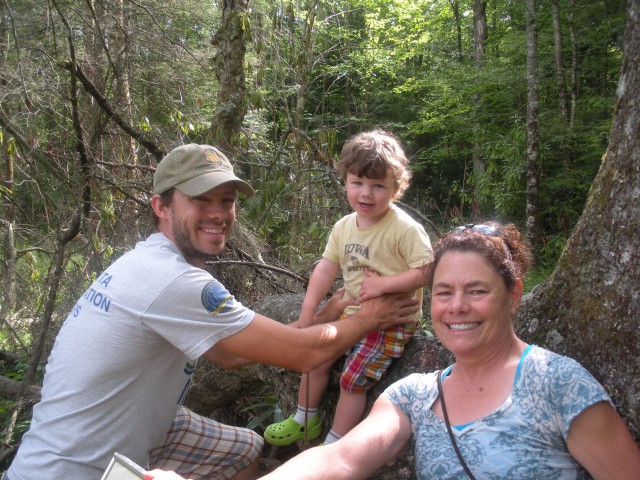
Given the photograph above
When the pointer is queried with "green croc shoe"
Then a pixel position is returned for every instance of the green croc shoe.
(288, 431)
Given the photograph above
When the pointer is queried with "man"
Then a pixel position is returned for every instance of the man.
(123, 359)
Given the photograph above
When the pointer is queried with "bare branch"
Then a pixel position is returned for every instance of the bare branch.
(103, 103)
(264, 266)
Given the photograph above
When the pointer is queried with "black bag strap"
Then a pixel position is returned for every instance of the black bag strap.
(446, 421)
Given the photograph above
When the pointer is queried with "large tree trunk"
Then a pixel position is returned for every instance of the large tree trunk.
(590, 307)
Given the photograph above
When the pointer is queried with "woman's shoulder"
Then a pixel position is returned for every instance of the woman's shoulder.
(555, 383)
(546, 360)
(412, 386)
(545, 370)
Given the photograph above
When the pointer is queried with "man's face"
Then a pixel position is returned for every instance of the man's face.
(200, 225)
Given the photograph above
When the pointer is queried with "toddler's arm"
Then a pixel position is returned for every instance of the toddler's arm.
(320, 282)
(375, 285)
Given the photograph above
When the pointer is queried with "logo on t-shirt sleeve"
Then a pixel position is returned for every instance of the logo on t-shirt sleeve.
(216, 299)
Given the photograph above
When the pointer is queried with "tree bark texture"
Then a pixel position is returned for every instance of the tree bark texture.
(228, 66)
(533, 140)
(455, 6)
(122, 96)
(304, 62)
(479, 47)
(561, 84)
(7, 208)
(574, 66)
(589, 309)
(479, 29)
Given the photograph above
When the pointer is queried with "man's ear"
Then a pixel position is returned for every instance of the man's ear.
(159, 208)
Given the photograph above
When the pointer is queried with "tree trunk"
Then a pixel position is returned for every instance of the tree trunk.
(574, 67)
(479, 44)
(589, 309)
(122, 98)
(456, 16)
(5, 29)
(9, 271)
(532, 122)
(100, 61)
(126, 147)
(303, 65)
(561, 84)
(228, 66)
(7, 215)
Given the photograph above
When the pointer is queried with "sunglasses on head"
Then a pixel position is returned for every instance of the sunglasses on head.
(484, 229)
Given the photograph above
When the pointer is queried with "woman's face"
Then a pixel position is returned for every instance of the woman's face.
(471, 307)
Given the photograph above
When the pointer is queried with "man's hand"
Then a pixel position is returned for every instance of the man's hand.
(333, 307)
(390, 310)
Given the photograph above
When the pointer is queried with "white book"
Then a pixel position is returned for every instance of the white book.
(123, 468)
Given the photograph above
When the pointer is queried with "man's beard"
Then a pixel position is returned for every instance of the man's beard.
(191, 253)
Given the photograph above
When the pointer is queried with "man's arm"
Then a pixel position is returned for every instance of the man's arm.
(376, 441)
(302, 349)
(329, 312)
(226, 360)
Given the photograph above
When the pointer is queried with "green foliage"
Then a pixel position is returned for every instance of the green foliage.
(550, 251)
(537, 275)
(263, 410)
(18, 370)
(396, 64)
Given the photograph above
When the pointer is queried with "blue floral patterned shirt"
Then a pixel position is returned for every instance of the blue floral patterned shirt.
(524, 438)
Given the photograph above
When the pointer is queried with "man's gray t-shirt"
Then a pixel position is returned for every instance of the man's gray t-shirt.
(122, 362)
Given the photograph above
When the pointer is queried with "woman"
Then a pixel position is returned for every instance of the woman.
(516, 411)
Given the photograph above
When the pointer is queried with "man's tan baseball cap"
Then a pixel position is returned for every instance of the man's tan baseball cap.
(195, 169)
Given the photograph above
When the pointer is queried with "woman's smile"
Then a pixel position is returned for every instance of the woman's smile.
(463, 326)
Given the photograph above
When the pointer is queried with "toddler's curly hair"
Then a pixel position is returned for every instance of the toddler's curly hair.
(372, 154)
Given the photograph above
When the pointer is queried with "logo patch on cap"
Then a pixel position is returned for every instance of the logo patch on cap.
(216, 299)
(215, 158)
